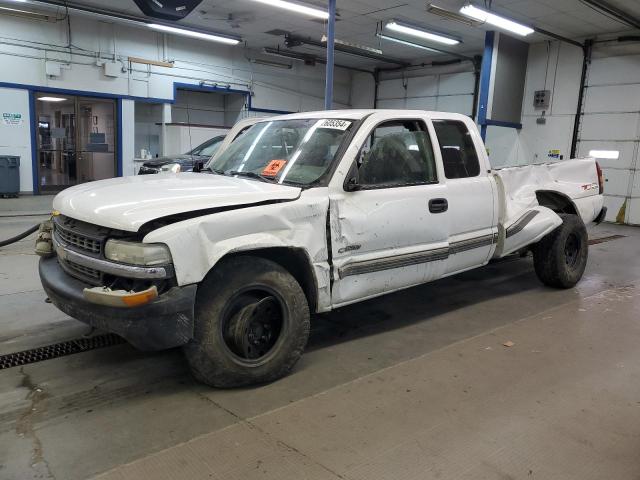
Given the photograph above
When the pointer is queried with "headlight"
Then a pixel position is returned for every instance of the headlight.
(137, 253)
(171, 167)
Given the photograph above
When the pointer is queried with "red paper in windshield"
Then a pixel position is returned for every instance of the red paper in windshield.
(273, 167)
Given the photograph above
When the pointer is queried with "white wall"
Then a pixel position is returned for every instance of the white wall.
(448, 89)
(183, 139)
(26, 47)
(363, 88)
(553, 66)
(16, 139)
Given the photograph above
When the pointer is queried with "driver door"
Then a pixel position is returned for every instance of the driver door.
(392, 232)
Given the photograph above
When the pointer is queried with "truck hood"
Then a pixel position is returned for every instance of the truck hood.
(126, 203)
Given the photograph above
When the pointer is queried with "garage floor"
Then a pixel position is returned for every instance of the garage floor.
(413, 385)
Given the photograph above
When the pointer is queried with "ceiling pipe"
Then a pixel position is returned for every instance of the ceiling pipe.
(558, 37)
(295, 41)
(122, 17)
(607, 9)
(308, 59)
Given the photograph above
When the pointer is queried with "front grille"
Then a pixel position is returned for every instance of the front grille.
(80, 236)
(78, 240)
(86, 274)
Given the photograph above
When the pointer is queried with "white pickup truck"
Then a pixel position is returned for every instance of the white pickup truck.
(304, 213)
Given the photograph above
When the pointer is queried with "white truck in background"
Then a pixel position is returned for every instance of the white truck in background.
(301, 214)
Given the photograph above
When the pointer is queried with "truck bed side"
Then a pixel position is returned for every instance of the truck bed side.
(532, 196)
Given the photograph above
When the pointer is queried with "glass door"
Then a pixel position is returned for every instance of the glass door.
(96, 147)
(76, 140)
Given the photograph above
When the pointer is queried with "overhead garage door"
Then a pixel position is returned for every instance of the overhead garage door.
(451, 92)
(611, 121)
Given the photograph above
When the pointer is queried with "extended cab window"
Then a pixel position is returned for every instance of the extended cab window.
(397, 153)
(458, 151)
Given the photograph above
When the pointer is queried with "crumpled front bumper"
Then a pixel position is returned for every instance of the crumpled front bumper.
(163, 323)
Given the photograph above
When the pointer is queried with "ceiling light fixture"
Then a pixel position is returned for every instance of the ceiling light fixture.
(496, 20)
(364, 48)
(298, 57)
(449, 15)
(297, 8)
(52, 99)
(407, 43)
(194, 34)
(418, 32)
(14, 12)
(268, 63)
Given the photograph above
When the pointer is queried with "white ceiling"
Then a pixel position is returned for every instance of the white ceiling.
(358, 20)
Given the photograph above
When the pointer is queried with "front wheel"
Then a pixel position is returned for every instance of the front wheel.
(251, 323)
(561, 256)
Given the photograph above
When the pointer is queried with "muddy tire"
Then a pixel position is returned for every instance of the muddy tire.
(251, 323)
(561, 256)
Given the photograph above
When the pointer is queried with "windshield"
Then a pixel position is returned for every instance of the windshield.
(208, 148)
(284, 151)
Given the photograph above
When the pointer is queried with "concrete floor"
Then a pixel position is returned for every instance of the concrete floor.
(416, 384)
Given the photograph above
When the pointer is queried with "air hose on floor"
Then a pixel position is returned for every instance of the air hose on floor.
(20, 236)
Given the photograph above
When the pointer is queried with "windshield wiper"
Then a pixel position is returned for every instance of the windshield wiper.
(250, 175)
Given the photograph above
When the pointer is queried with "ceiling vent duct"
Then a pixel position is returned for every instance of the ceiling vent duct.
(167, 9)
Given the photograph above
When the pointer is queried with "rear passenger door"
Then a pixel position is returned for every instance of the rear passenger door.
(472, 215)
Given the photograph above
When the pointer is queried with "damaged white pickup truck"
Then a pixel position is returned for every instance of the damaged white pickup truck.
(305, 213)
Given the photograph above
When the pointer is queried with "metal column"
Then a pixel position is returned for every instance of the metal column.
(331, 26)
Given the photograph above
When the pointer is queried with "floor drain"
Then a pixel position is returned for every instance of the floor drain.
(596, 241)
(56, 350)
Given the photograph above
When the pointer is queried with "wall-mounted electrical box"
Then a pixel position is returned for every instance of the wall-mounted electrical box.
(112, 69)
(542, 98)
(52, 69)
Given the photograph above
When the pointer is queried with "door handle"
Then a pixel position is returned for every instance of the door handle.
(438, 205)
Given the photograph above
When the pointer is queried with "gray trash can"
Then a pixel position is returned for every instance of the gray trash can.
(9, 176)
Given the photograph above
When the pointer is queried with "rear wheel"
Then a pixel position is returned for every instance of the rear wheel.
(251, 323)
(561, 256)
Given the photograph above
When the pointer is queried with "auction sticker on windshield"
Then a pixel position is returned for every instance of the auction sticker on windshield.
(273, 167)
(335, 123)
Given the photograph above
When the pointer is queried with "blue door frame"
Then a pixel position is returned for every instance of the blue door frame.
(34, 122)
(485, 85)
(32, 89)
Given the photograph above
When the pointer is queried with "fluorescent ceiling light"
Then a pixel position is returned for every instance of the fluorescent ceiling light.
(449, 15)
(495, 20)
(268, 63)
(297, 8)
(608, 154)
(356, 46)
(194, 34)
(23, 13)
(416, 32)
(408, 44)
(274, 52)
(52, 99)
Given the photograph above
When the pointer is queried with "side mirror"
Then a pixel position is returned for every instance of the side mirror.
(198, 166)
(351, 183)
